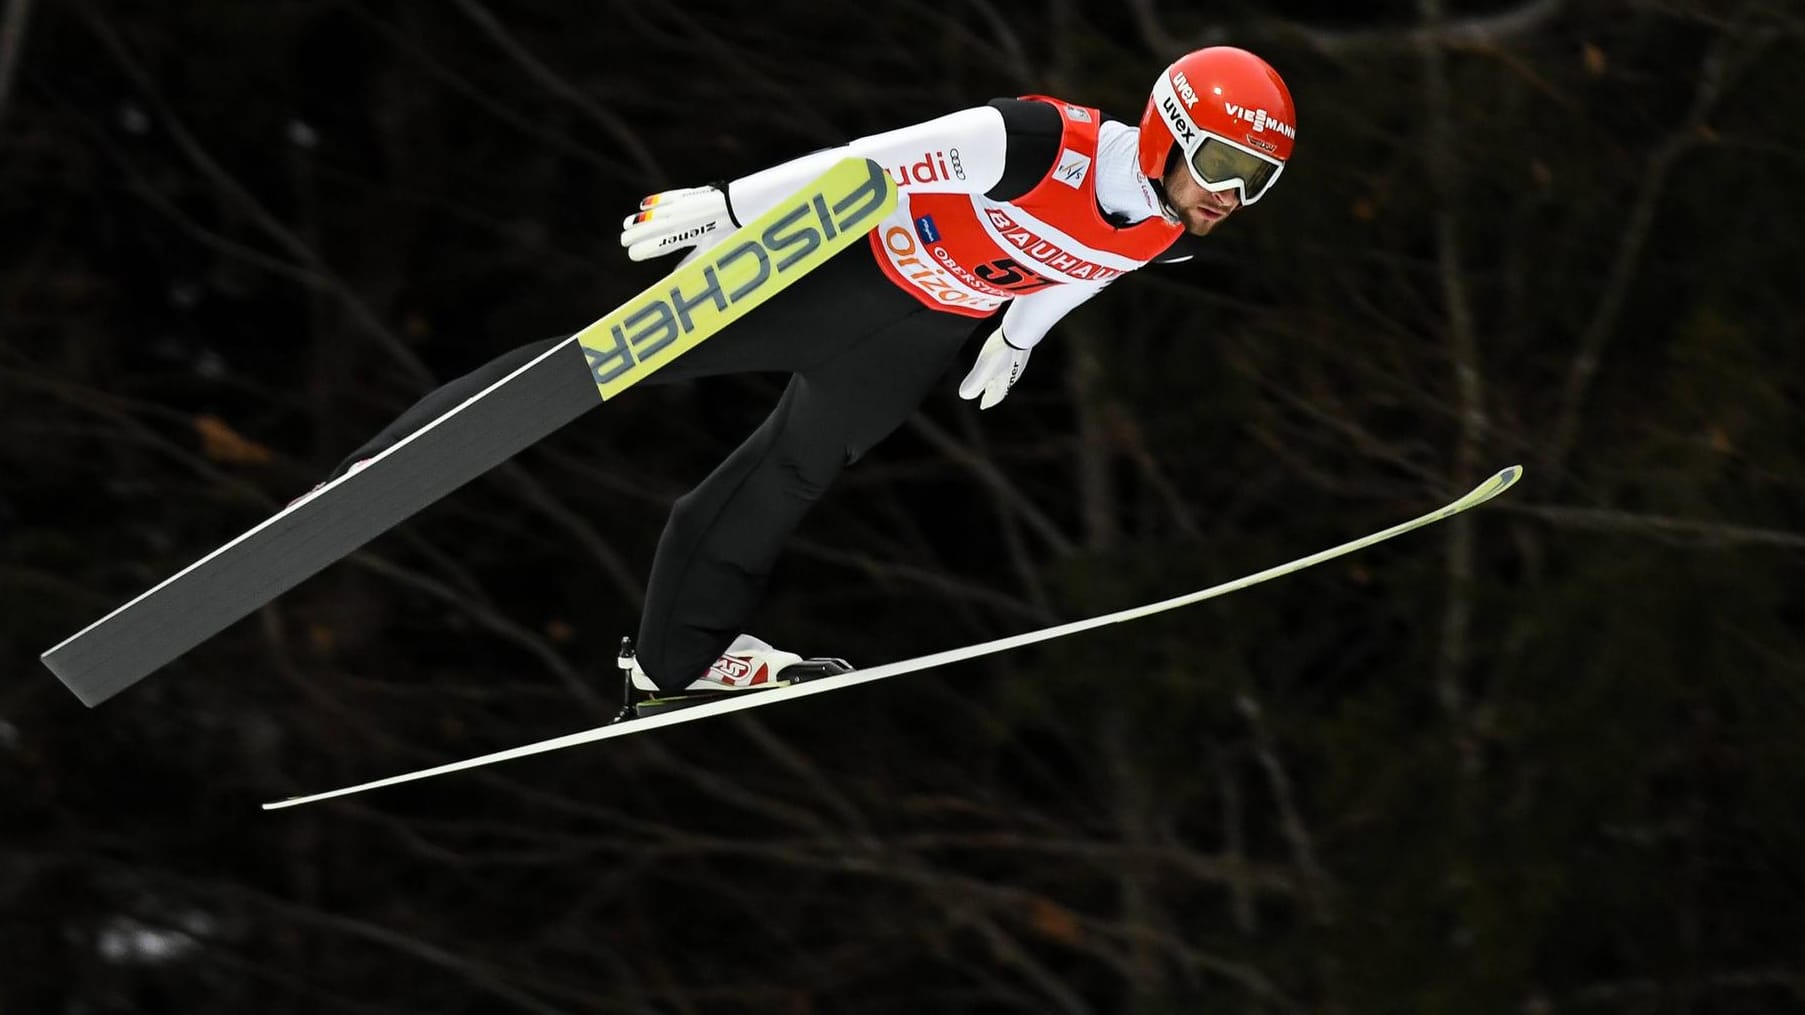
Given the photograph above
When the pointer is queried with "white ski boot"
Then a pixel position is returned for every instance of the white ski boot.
(749, 664)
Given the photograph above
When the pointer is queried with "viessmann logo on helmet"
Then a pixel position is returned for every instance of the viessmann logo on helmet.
(1260, 119)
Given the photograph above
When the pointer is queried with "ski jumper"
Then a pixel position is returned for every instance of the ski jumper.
(999, 210)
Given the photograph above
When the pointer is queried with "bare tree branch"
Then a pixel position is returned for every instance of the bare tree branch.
(1008, 40)
(12, 47)
(582, 688)
(484, 976)
(1154, 34)
(481, 98)
(698, 41)
(1291, 819)
(938, 582)
(1477, 32)
(1092, 472)
(607, 559)
(1463, 341)
(1234, 841)
(994, 480)
(617, 128)
(1614, 293)
(255, 210)
(1694, 532)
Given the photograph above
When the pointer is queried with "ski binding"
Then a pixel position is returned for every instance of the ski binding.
(637, 703)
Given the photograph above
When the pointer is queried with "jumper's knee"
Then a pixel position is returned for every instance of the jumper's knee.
(807, 477)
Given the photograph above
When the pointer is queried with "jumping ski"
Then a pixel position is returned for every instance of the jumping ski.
(637, 718)
(835, 210)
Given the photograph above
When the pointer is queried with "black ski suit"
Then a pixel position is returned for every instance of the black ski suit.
(862, 354)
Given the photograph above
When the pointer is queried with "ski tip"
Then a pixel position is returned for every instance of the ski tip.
(1503, 480)
(1500, 481)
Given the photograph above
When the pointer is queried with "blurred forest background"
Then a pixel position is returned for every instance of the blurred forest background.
(1542, 759)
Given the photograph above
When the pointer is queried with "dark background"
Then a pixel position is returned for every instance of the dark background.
(1543, 758)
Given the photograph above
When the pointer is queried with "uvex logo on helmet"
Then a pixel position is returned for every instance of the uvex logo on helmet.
(1184, 89)
(1182, 130)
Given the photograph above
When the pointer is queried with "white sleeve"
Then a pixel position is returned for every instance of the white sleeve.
(1030, 317)
(959, 153)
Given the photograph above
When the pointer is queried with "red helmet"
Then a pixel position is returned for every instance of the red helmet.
(1230, 115)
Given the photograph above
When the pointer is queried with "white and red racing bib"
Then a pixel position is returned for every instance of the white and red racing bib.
(968, 254)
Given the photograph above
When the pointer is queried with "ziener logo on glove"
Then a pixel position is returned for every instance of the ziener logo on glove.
(687, 235)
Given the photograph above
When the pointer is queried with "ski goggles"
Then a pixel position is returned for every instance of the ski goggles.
(1215, 162)
(1218, 164)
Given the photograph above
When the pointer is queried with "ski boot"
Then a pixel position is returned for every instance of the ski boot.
(749, 664)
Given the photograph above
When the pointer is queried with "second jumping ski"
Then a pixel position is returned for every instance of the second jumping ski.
(636, 718)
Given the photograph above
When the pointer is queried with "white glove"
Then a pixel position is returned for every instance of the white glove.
(999, 365)
(671, 220)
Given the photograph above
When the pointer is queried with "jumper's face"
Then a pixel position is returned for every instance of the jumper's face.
(1199, 210)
